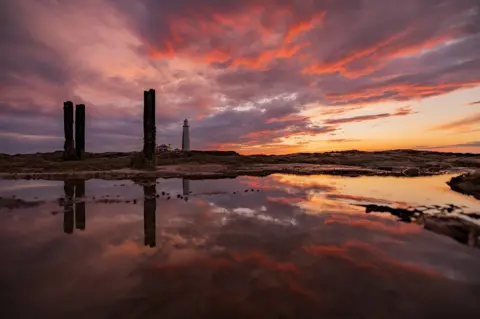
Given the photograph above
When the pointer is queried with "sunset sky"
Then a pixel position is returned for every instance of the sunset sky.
(254, 76)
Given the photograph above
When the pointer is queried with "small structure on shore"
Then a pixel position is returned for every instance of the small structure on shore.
(185, 137)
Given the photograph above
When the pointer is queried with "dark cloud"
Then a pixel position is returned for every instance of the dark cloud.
(403, 111)
(342, 140)
(470, 145)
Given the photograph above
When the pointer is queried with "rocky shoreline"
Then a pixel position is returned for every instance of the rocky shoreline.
(216, 164)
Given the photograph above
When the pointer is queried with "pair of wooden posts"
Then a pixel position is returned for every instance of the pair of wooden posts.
(74, 150)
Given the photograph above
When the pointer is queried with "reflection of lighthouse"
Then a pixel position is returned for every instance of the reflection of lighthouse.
(185, 137)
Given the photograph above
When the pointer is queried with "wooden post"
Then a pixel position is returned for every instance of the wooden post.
(80, 131)
(149, 130)
(68, 146)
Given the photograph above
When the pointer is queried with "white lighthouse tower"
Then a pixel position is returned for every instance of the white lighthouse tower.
(185, 137)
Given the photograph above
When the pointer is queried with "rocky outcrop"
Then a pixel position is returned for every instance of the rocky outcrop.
(468, 184)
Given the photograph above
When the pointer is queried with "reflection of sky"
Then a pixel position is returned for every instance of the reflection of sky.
(295, 236)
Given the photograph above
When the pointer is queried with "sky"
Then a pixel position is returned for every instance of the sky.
(253, 76)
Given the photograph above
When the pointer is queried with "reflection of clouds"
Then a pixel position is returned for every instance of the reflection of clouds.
(371, 224)
(322, 193)
(235, 252)
(250, 213)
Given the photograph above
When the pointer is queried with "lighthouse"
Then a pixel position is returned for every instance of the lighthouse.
(185, 137)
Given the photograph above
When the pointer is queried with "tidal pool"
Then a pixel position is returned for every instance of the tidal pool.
(282, 246)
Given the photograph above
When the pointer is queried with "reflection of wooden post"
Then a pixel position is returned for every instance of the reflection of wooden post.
(186, 186)
(80, 130)
(69, 189)
(68, 146)
(80, 218)
(472, 237)
(149, 130)
(149, 209)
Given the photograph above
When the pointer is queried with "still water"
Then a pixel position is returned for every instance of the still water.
(281, 246)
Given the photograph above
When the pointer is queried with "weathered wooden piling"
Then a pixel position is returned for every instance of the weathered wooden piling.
(68, 218)
(80, 218)
(80, 131)
(149, 130)
(68, 146)
(149, 209)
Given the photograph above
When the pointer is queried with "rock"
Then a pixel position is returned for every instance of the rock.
(468, 184)
(412, 171)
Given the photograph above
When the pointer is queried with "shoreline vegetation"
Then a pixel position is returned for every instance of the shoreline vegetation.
(229, 164)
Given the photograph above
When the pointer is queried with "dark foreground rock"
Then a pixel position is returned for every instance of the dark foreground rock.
(468, 184)
(13, 203)
(448, 220)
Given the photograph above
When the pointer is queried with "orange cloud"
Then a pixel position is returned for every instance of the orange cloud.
(461, 124)
(303, 26)
(402, 111)
(398, 91)
(378, 55)
(340, 64)
(262, 60)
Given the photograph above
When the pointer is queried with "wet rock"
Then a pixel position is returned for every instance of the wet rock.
(12, 203)
(460, 229)
(110, 201)
(468, 184)
(412, 171)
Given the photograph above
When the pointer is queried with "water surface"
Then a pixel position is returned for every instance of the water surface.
(282, 246)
